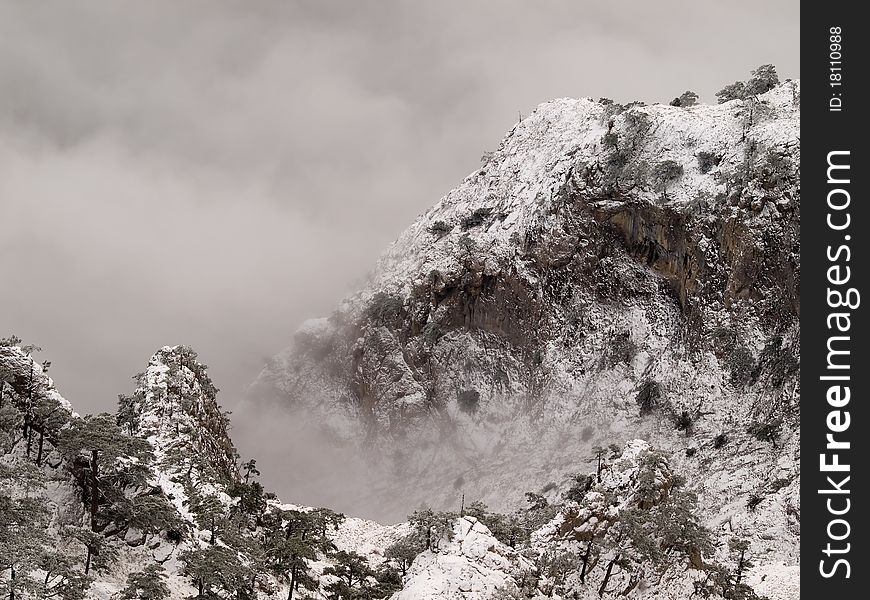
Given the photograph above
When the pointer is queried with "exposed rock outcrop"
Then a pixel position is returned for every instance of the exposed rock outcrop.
(609, 272)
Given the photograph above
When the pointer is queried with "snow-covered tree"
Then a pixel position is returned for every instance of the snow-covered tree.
(250, 469)
(352, 571)
(738, 549)
(100, 455)
(685, 100)
(432, 526)
(59, 578)
(23, 524)
(293, 539)
(100, 552)
(215, 570)
(763, 79)
(209, 513)
(404, 551)
(146, 584)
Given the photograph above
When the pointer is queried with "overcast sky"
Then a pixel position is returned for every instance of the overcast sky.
(212, 173)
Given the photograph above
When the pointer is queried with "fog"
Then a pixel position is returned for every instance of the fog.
(214, 172)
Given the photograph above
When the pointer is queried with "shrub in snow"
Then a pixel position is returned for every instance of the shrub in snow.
(440, 228)
(469, 401)
(685, 100)
(622, 349)
(476, 218)
(766, 432)
(707, 161)
(665, 173)
(741, 365)
(648, 396)
(384, 308)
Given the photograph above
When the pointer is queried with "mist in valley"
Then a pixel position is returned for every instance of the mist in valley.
(305, 462)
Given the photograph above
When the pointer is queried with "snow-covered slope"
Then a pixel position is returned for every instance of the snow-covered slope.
(472, 565)
(608, 273)
(174, 408)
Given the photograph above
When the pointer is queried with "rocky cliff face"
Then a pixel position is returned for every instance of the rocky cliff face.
(175, 408)
(609, 272)
(154, 508)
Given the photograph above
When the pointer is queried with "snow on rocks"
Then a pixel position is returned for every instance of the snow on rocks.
(776, 581)
(22, 365)
(471, 566)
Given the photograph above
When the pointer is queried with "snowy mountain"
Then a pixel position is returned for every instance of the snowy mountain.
(609, 272)
(174, 489)
(581, 365)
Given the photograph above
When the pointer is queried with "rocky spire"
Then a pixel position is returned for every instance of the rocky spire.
(175, 407)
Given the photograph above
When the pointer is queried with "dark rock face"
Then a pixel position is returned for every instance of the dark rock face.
(712, 256)
(175, 407)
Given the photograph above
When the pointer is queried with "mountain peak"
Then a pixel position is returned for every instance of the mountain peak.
(609, 272)
(175, 408)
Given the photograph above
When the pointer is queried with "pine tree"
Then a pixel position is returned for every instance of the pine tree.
(763, 79)
(100, 553)
(6, 377)
(109, 453)
(48, 417)
(617, 545)
(288, 560)
(24, 519)
(387, 582)
(679, 528)
(594, 542)
(686, 99)
(23, 522)
(149, 513)
(59, 578)
(580, 486)
(734, 91)
(719, 582)
(432, 526)
(308, 526)
(34, 389)
(146, 584)
(293, 539)
(648, 488)
(404, 551)
(127, 416)
(636, 543)
(477, 509)
(555, 567)
(250, 501)
(352, 571)
(215, 570)
(738, 549)
(329, 518)
(250, 468)
(209, 513)
(598, 453)
(10, 422)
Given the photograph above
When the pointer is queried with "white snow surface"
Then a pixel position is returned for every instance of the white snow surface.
(470, 566)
